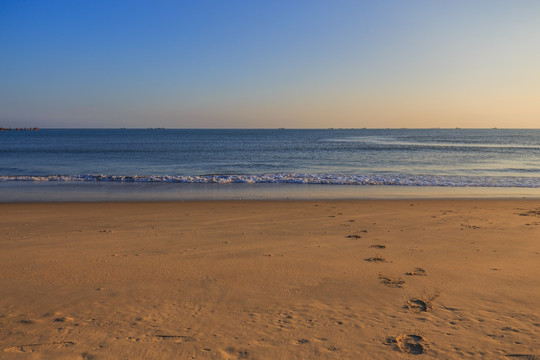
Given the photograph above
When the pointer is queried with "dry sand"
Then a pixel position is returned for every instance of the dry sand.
(426, 279)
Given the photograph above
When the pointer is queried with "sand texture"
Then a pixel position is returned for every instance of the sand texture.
(422, 279)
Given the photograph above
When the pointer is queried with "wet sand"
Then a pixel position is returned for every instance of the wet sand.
(396, 279)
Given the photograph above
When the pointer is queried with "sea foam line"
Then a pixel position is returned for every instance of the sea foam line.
(292, 178)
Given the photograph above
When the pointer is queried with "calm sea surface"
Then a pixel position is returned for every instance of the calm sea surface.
(391, 157)
(442, 158)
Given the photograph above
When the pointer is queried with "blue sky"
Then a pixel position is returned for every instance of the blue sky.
(249, 64)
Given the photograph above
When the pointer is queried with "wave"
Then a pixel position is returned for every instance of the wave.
(292, 178)
(394, 142)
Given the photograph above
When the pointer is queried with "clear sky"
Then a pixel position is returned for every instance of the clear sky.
(268, 64)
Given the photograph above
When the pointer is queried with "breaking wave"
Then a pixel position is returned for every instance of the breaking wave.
(293, 178)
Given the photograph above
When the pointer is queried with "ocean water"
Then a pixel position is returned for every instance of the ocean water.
(493, 158)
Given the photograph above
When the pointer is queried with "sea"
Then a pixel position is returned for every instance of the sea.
(185, 164)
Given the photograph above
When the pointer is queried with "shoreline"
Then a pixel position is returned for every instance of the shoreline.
(332, 279)
(137, 192)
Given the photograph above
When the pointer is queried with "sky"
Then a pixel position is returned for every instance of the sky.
(270, 64)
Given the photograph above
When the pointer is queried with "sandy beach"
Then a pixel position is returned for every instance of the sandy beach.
(381, 279)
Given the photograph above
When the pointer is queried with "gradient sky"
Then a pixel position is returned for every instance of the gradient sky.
(268, 64)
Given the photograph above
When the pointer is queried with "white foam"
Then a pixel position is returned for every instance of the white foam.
(293, 178)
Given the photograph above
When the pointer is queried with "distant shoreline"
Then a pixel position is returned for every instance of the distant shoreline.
(276, 128)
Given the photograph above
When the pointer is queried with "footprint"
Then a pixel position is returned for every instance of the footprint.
(410, 344)
(417, 272)
(242, 354)
(87, 356)
(391, 282)
(424, 303)
(418, 305)
(535, 212)
(376, 258)
(63, 319)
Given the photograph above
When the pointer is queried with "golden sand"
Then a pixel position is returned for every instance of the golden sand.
(400, 279)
